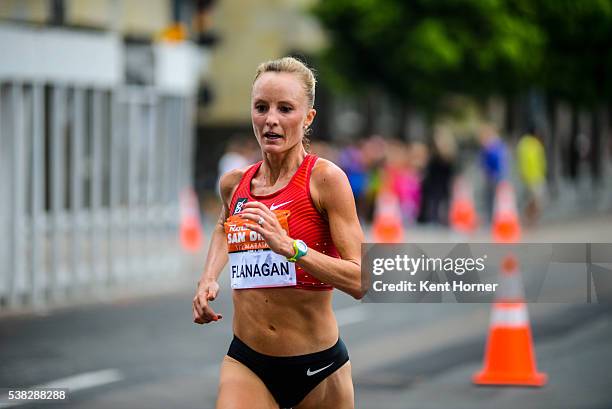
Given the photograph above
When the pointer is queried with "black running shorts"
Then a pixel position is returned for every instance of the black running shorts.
(290, 379)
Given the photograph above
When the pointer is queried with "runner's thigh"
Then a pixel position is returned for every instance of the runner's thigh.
(240, 388)
(334, 392)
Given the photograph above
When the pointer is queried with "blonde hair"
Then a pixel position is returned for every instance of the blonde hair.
(303, 72)
(293, 66)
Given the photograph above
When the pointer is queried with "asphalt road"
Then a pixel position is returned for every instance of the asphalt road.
(144, 352)
(148, 354)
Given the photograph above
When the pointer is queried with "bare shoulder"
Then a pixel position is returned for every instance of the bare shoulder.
(326, 171)
(229, 182)
(328, 184)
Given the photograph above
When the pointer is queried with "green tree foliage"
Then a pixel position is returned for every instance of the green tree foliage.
(577, 59)
(420, 50)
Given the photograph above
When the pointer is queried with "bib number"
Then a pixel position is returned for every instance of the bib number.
(260, 268)
(252, 263)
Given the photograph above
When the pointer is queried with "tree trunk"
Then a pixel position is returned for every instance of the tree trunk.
(595, 153)
(573, 156)
(552, 146)
(370, 114)
(510, 116)
(402, 122)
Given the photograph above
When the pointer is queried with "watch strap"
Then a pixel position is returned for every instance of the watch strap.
(298, 253)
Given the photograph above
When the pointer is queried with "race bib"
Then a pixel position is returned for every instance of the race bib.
(252, 263)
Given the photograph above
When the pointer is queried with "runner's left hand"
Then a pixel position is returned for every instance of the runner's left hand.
(277, 238)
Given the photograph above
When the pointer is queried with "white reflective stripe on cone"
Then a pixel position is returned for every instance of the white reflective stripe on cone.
(509, 315)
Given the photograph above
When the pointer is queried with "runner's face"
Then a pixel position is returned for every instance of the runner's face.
(279, 111)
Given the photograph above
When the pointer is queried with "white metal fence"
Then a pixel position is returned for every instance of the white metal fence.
(89, 187)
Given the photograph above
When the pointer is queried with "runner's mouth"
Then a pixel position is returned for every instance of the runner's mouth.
(272, 135)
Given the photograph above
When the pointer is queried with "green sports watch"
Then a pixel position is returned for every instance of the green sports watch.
(301, 249)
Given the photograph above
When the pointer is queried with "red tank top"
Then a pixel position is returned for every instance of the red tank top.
(305, 221)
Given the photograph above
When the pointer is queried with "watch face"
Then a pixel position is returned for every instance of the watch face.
(301, 246)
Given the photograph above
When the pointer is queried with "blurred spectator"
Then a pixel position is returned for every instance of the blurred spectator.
(493, 159)
(239, 153)
(404, 178)
(531, 158)
(438, 179)
(373, 152)
(351, 161)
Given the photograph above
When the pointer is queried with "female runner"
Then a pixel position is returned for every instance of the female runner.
(290, 225)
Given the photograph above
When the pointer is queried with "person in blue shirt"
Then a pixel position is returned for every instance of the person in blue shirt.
(494, 163)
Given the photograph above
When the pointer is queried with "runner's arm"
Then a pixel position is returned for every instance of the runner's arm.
(216, 259)
(331, 193)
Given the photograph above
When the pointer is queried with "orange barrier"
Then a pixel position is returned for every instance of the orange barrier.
(190, 230)
(387, 226)
(509, 354)
(462, 213)
(506, 226)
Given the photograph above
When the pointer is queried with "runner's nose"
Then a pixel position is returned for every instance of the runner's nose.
(271, 120)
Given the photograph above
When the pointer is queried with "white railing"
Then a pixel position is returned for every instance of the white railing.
(89, 186)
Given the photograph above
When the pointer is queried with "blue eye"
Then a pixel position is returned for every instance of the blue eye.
(285, 109)
(260, 108)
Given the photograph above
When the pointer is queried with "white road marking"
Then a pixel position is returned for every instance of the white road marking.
(86, 380)
(74, 383)
(351, 315)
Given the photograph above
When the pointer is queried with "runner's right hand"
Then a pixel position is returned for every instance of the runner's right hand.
(202, 312)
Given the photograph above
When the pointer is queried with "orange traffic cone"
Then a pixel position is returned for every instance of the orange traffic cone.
(387, 226)
(509, 355)
(462, 214)
(506, 227)
(190, 228)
